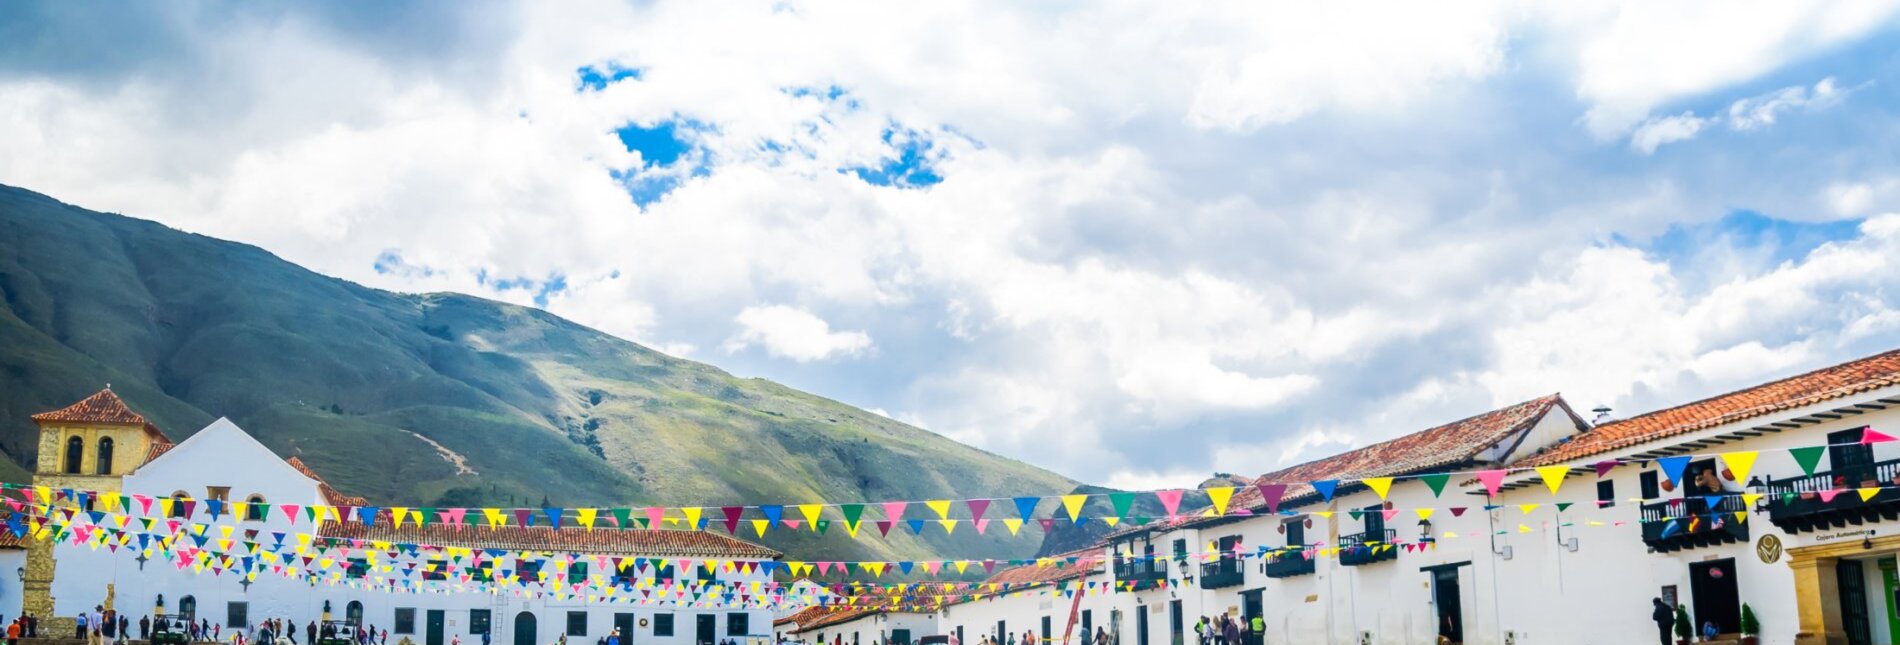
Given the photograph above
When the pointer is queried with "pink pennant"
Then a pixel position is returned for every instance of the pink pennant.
(1828, 495)
(145, 504)
(794, 524)
(1492, 479)
(894, 511)
(453, 516)
(1390, 513)
(1170, 501)
(1869, 435)
(981, 525)
(1271, 494)
(655, 515)
(977, 506)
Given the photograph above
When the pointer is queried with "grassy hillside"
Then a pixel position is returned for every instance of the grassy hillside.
(438, 399)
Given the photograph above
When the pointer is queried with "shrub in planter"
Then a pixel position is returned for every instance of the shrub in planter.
(1685, 632)
(1751, 628)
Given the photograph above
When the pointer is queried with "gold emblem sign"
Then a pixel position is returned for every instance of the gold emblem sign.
(1768, 548)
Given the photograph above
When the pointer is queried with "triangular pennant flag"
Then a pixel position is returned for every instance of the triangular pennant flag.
(894, 511)
(1270, 494)
(852, 513)
(732, 514)
(1121, 502)
(977, 507)
(1739, 463)
(941, 506)
(1326, 488)
(1436, 482)
(1869, 436)
(1491, 479)
(1672, 467)
(1170, 501)
(1867, 493)
(1026, 507)
(1219, 496)
(1380, 485)
(1073, 504)
(1553, 476)
(1808, 458)
(1603, 467)
(811, 511)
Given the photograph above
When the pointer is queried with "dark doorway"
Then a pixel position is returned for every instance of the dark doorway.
(1446, 597)
(1853, 582)
(1141, 625)
(1852, 460)
(1713, 589)
(703, 629)
(433, 630)
(525, 629)
(1002, 632)
(1250, 606)
(1174, 622)
(353, 613)
(624, 623)
(900, 637)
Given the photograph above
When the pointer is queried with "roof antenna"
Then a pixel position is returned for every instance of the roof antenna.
(1603, 415)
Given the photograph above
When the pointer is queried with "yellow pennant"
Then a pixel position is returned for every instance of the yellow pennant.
(1867, 493)
(810, 511)
(1741, 517)
(1380, 485)
(1739, 463)
(1527, 508)
(1523, 529)
(1014, 525)
(1749, 499)
(1073, 504)
(759, 526)
(949, 526)
(398, 513)
(692, 517)
(941, 506)
(1324, 514)
(587, 516)
(1424, 513)
(494, 517)
(1220, 496)
(1553, 476)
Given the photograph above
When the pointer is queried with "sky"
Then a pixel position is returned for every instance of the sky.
(1132, 242)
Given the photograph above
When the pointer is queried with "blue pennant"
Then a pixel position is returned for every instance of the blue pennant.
(1326, 488)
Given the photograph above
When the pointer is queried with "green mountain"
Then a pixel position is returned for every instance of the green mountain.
(441, 398)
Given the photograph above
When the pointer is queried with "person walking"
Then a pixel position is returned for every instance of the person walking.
(310, 631)
(1664, 617)
(79, 627)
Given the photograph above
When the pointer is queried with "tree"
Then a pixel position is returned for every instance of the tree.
(1750, 627)
(1684, 630)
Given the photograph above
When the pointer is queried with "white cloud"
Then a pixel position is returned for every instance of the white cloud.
(1275, 229)
(794, 333)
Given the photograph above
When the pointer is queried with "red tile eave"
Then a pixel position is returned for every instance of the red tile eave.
(599, 541)
(1875, 372)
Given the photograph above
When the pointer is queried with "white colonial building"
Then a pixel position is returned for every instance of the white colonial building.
(261, 496)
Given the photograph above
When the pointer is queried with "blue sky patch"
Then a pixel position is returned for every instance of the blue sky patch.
(391, 262)
(647, 187)
(913, 167)
(659, 145)
(543, 289)
(1781, 240)
(594, 78)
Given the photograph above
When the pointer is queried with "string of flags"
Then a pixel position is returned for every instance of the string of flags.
(821, 517)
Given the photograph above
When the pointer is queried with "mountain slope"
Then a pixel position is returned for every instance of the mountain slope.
(437, 398)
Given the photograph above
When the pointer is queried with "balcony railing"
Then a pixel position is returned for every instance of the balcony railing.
(1691, 522)
(1368, 547)
(1288, 564)
(1141, 569)
(1828, 499)
(1225, 572)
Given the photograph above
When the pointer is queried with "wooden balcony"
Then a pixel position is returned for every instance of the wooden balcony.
(1288, 565)
(1225, 572)
(1688, 523)
(1829, 499)
(1366, 548)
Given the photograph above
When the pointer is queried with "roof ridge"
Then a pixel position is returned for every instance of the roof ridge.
(1758, 386)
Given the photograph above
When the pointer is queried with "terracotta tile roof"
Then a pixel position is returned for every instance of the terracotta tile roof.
(600, 541)
(107, 408)
(10, 541)
(834, 616)
(1443, 446)
(331, 495)
(1088, 562)
(802, 617)
(1853, 377)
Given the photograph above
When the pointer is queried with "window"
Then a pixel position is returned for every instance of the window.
(220, 493)
(105, 456)
(353, 612)
(528, 569)
(662, 624)
(237, 614)
(477, 621)
(359, 568)
(900, 637)
(1650, 488)
(1045, 627)
(663, 574)
(255, 508)
(405, 620)
(1295, 533)
(437, 570)
(1375, 523)
(483, 573)
(178, 503)
(188, 607)
(577, 572)
(75, 454)
(1088, 623)
(1606, 493)
(1180, 550)
(738, 623)
(577, 623)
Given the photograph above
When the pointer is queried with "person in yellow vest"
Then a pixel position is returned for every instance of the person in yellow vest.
(1258, 624)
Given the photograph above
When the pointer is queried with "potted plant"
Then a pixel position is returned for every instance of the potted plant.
(1751, 628)
(1685, 632)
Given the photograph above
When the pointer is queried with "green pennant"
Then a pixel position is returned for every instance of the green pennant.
(125, 506)
(428, 514)
(311, 511)
(1141, 519)
(1355, 513)
(1808, 457)
(1122, 502)
(1562, 506)
(851, 514)
(821, 526)
(1436, 482)
(621, 516)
